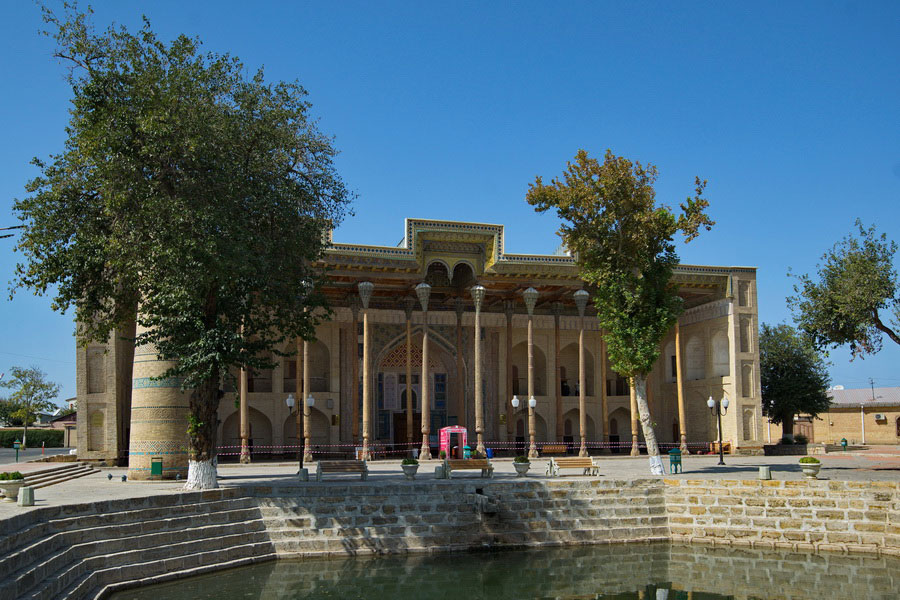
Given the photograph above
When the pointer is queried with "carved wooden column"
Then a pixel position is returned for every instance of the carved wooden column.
(560, 430)
(304, 401)
(460, 306)
(635, 449)
(354, 370)
(531, 295)
(409, 305)
(679, 384)
(245, 418)
(365, 294)
(478, 297)
(509, 306)
(581, 298)
(604, 402)
(423, 291)
(300, 389)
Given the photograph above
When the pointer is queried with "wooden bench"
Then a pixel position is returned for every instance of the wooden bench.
(554, 449)
(468, 464)
(714, 447)
(575, 462)
(341, 466)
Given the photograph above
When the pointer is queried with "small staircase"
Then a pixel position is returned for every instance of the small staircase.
(58, 474)
(78, 555)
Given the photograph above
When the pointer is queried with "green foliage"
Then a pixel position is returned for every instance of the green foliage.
(521, 458)
(442, 454)
(409, 461)
(801, 439)
(793, 376)
(51, 438)
(11, 476)
(809, 460)
(856, 285)
(7, 409)
(623, 244)
(32, 394)
(191, 189)
(194, 425)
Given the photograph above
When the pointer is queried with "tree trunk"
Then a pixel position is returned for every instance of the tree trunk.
(25, 432)
(640, 386)
(787, 427)
(202, 463)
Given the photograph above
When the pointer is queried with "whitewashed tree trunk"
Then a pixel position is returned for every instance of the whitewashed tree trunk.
(202, 475)
(640, 388)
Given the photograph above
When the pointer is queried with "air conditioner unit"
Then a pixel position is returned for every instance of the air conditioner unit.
(880, 417)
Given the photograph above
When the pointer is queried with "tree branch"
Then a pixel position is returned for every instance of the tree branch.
(884, 328)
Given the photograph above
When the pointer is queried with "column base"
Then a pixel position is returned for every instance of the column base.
(308, 458)
(635, 451)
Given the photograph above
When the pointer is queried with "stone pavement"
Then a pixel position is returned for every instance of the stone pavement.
(882, 464)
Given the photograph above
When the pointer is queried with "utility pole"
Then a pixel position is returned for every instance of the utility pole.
(872, 383)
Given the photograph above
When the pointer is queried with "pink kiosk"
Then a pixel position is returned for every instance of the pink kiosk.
(446, 432)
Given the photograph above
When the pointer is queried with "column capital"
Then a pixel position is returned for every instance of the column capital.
(509, 308)
(409, 305)
(459, 306)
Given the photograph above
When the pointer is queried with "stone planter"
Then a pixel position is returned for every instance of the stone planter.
(11, 489)
(410, 471)
(521, 468)
(811, 470)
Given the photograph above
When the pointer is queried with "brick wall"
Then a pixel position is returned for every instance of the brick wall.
(801, 515)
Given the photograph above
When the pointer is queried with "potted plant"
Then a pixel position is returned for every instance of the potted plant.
(522, 464)
(410, 466)
(810, 466)
(10, 484)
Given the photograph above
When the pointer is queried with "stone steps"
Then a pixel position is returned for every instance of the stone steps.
(58, 554)
(115, 564)
(95, 578)
(107, 542)
(137, 580)
(50, 535)
(62, 476)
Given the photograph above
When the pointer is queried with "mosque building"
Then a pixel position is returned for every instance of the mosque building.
(414, 327)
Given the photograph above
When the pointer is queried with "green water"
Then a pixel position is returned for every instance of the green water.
(621, 572)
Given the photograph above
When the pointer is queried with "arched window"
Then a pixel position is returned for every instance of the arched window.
(463, 277)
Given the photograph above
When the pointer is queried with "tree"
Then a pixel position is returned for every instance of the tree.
(623, 245)
(793, 376)
(8, 409)
(857, 284)
(33, 394)
(190, 194)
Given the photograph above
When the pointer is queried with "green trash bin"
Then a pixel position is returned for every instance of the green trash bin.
(156, 467)
(675, 461)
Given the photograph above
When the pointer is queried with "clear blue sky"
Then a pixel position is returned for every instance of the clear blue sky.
(449, 110)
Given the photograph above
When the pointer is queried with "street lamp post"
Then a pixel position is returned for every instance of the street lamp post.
(719, 408)
(302, 438)
(515, 404)
(290, 404)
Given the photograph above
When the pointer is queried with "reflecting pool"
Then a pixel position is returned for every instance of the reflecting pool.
(621, 572)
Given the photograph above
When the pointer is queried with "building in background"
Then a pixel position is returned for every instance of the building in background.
(716, 335)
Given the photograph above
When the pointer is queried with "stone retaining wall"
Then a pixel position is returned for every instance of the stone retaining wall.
(72, 551)
(441, 516)
(843, 516)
